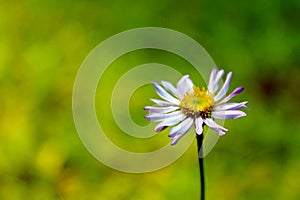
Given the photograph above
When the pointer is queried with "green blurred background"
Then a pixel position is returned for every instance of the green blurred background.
(42, 45)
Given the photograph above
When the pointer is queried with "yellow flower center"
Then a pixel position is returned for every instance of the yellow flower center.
(198, 103)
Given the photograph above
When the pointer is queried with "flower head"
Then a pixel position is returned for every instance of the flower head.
(186, 105)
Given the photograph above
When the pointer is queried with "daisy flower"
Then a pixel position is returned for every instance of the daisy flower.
(186, 105)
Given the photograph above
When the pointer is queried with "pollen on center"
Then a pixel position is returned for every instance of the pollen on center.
(198, 103)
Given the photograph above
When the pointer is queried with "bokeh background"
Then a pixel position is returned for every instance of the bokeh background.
(43, 43)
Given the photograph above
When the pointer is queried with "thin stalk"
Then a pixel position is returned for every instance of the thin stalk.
(200, 157)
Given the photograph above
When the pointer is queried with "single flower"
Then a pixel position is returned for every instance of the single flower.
(187, 105)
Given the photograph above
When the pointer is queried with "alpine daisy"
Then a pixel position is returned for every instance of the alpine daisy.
(186, 104)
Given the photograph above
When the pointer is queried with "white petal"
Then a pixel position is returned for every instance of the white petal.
(211, 79)
(169, 87)
(164, 94)
(228, 114)
(224, 89)
(160, 116)
(161, 109)
(213, 125)
(230, 106)
(221, 133)
(199, 123)
(169, 122)
(216, 81)
(180, 127)
(185, 85)
(184, 128)
(162, 103)
(235, 92)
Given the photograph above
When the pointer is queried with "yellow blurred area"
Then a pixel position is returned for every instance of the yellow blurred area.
(49, 161)
(42, 45)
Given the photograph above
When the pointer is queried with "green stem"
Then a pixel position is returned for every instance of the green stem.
(200, 157)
